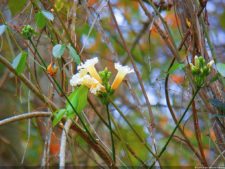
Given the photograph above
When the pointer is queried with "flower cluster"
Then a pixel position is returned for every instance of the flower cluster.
(27, 31)
(98, 83)
(201, 70)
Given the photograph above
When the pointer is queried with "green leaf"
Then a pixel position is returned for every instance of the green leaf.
(16, 6)
(48, 15)
(58, 50)
(2, 29)
(40, 20)
(176, 66)
(73, 54)
(58, 116)
(221, 68)
(78, 99)
(19, 62)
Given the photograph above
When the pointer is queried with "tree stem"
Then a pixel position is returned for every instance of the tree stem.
(111, 134)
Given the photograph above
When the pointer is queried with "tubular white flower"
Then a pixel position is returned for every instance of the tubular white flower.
(88, 81)
(92, 84)
(95, 88)
(77, 78)
(89, 65)
(84, 79)
(122, 71)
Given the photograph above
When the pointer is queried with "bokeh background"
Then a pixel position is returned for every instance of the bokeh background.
(94, 33)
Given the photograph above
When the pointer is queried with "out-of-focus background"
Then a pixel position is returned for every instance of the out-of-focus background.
(91, 28)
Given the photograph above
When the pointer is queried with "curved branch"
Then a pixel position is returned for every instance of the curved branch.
(177, 126)
(24, 116)
(198, 133)
(174, 116)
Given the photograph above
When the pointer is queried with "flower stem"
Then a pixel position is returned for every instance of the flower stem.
(133, 129)
(175, 129)
(111, 134)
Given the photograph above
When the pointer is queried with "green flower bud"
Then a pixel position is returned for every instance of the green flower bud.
(195, 71)
(105, 76)
(27, 31)
(201, 72)
(206, 71)
(196, 61)
(201, 61)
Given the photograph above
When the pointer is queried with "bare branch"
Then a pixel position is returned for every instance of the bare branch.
(24, 116)
(62, 154)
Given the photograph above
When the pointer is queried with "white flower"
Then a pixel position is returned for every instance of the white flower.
(77, 78)
(92, 84)
(122, 71)
(88, 81)
(89, 62)
(210, 63)
(84, 79)
(95, 88)
(89, 66)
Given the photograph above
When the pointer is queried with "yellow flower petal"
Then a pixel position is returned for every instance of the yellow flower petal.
(122, 71)
(89, 66)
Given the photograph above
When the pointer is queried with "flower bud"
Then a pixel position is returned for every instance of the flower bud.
(209, 65)
(196, 61)
(206, 71)
(27, 31)
(201, 61)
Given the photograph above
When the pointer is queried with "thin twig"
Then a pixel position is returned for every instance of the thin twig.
(177, 125)
(111, 134)
(62, 153)
(198, 134)
(117, 136)
(132, 128)
(151, 125)
(24, 116)
(173, 113)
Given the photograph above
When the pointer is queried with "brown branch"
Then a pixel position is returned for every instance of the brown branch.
(198, 133)
(164, 36)
(62, 153)
(28, 83)
(174, 116)
(24, 116)
(95, 145)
